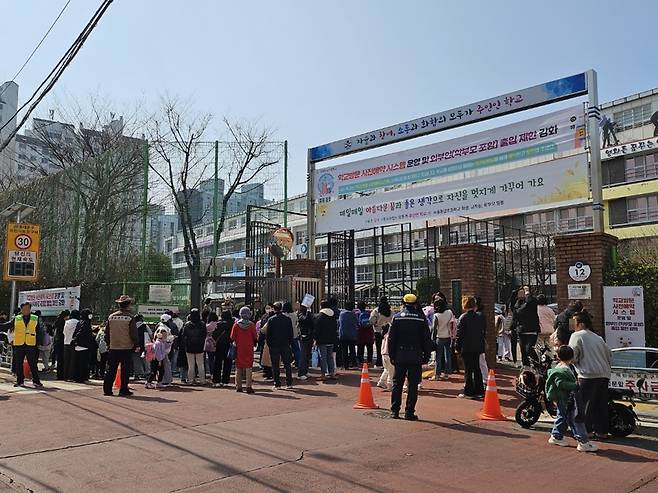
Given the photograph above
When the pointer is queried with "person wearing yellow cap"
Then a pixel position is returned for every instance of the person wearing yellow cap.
(409, 346)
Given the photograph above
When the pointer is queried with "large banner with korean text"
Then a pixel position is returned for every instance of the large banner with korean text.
(552, 183)
(544, 135)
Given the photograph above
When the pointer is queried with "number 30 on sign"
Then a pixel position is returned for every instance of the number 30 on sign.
(22, 252)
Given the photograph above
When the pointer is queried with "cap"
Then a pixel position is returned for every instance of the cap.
(409, 298)
(165, 318)
(124, 299)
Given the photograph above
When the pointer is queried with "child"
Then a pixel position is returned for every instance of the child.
(385, 381)
(562, 387)
(158, 352)
(245, 338)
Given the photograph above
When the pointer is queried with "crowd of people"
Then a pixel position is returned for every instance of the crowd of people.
(215, 344)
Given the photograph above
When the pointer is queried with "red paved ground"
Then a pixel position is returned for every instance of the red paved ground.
(308, 440)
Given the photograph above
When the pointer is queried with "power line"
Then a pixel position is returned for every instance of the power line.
(56, 72)
(13, 79)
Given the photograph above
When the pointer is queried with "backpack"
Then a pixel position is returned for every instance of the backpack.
(364, 319)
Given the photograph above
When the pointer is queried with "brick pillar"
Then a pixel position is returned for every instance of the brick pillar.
(473, 265)
(303, 267)
(594, 249)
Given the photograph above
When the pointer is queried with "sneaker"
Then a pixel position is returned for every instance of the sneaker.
(461, 396)
(216, 385)
(19, 385)
(127, 393)
(381, 385)
(289, 387)
(250, 390)
(587, 447)
(38, 385)
(275, 388)
(149, 385)
(303, 377)
(395, 415)
(561, 442)
(160, 385)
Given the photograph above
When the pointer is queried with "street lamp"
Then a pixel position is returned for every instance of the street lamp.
(21, 211)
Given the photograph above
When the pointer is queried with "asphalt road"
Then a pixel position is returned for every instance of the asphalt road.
(70, 437)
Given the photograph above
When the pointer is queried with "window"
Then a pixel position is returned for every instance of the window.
(394, 271)
(641, 167)
(541, 222)
(363, 273)
(301, 237)
(642, 209)
(419, 239)
(419, 269)
(364, 246)
(321, 252)
(575, 218)
(392, 243)
(632, 117)
(209, 231)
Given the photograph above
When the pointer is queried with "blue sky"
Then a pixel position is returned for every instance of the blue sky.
(320, 71)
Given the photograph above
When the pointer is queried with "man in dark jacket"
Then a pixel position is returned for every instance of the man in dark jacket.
(305, 324)
(280, 341)
(193, 338)
(562, 321)
(526, 321)
(409, 346)
(325, 333)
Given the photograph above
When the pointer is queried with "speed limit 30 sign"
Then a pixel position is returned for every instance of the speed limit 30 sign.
(22, 252)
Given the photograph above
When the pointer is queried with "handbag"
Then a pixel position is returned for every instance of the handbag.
(231, 352)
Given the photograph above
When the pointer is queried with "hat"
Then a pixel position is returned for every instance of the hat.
(409, 299)
(245, 313)
(165, 318)
(124, 298)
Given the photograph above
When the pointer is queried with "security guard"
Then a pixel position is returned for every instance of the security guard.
(409, 346)
(26, 328)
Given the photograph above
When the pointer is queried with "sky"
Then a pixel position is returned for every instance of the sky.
(318, 71)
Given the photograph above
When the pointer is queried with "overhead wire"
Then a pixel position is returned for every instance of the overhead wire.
(56, 72)
(13, 79)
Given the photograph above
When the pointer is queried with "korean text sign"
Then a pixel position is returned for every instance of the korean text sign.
(544, 135)
(555, 90)
(623, 307)
(560, 182)
(22, 252)
(52, 301)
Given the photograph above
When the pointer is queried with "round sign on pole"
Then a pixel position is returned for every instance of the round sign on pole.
(580, 271)
(23, 241)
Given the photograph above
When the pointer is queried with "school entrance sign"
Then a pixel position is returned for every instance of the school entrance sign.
(328, 180)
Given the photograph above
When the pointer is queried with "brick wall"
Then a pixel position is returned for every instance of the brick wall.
(593, 249)
(303, 268)
(473, 264)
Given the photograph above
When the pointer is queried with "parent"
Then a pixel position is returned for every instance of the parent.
(193, 338)
(527, 323)
(470, 344)
(222, 336)
(280, 340)
(82, 343)
(379, 318)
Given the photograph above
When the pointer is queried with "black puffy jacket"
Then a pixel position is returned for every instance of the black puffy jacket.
(526, 317)
(194, 334)
(325, 330)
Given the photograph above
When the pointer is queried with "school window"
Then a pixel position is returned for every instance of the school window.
(632, 117)
(540, 222)
(419, 239)
(364, 246)
(642, 209)
(363, 273)
(419, 269)
(576, 218)
(641, 167)
(301, 237)
(321, 252)
(392, 243)
(394, 271)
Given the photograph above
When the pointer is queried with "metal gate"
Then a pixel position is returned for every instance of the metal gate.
(340, 266)
(259, 238)
(521, 257)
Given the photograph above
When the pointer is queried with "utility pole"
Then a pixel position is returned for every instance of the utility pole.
(145, 203)
(215, 202)
(285, 183)
(593, 117)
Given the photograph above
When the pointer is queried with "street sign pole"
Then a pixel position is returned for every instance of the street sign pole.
(12, 303)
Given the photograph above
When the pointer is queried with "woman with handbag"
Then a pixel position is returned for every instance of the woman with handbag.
(223, 364)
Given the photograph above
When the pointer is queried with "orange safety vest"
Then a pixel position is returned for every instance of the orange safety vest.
(25, 334)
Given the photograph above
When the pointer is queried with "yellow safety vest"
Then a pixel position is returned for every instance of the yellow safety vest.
(25, 335)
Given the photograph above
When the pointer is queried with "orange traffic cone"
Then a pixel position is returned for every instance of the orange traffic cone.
(26, 370)
(365, 400)
(491, 410)
(117, 379)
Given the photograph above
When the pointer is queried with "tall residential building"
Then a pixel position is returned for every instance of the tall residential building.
(8, 106)
(249, 194)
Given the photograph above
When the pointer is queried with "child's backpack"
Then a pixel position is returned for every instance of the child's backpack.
(149, 352)
(364, 319)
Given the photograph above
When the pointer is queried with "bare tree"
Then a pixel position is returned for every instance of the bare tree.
(181, 161)
(95, 179)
